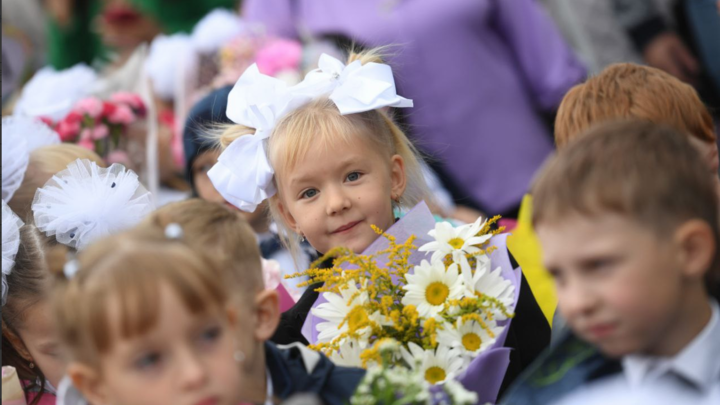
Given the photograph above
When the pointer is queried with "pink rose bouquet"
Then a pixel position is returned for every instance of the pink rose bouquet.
(98, 124)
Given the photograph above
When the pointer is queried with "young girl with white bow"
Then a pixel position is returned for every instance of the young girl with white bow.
(326, 155)
(75, 207)
(332, 163)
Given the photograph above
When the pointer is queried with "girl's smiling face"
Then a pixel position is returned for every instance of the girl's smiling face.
(332, 195)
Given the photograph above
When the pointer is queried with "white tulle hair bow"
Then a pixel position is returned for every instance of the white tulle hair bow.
(11, 225)
(20, 136)
(243, 174)
(86, 202)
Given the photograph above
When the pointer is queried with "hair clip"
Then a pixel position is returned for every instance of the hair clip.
(70, 268)
(173, 231)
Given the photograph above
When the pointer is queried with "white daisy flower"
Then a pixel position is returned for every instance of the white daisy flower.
(431, 286)
(437, 366)
(348, 354)
(469, 337)
(341, 306)
(456, 242)
(490, 283)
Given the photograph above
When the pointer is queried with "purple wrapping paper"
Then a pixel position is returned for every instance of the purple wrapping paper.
(485, 373)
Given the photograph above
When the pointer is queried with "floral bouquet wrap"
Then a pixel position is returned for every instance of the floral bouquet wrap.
(445, 294)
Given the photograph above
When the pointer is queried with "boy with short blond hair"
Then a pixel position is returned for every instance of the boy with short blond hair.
(627, 220)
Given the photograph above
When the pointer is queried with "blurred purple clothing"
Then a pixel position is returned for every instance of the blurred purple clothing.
(477, 70)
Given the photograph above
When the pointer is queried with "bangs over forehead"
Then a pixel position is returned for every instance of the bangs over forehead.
(319, 124)
(117, 296)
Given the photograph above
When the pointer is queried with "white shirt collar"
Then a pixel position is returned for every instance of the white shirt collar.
(698, 362)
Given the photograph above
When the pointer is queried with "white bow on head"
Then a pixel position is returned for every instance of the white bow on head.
(86, 202)
(11, 225)
(243, 174)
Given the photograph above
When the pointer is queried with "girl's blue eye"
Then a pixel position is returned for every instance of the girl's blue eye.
(354, 176)
(309, 193)
(211, 334)
(148, 361)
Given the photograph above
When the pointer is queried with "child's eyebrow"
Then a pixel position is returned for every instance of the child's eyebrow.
(342, 163)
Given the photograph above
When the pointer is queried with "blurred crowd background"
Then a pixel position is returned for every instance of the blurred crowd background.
(486, 75)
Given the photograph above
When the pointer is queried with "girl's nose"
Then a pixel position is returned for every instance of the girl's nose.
(194, 372)
(337, 201)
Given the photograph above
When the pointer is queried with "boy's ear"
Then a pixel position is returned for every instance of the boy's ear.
(397, 176)
(88, 382)
(267, 314)
(16, 343)
(696, 242)
(287, 217)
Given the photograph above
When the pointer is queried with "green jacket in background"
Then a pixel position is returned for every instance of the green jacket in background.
(77, 42)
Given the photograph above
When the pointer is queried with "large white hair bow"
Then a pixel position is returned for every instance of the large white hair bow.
(86, 202)
(11, 225)
(243, 174)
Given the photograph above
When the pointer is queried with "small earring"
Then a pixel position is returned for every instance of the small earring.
(32, 365)
(302, 238)
(239, 356)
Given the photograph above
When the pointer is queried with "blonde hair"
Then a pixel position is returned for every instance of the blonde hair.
(629, 91)
(44, 163)
(319, 123)
(129, 269)
(220, 232)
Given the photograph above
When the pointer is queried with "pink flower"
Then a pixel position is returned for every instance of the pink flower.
(118, 156)
(121, 115)
(90, 106)
(99, 132)
(278, 55)
(68, 130)
(87, 144)
(132, 100)
(86, 134)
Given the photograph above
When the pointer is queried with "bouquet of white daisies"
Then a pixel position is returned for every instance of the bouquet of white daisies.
(445, 303)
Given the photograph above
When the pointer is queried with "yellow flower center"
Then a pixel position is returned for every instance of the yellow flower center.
(436, 293)
(471, 341)
(456, 243)
(434, 375)
(357, 318)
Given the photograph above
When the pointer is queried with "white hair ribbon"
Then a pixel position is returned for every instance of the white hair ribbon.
(10, 244)
(86, 202)
(243, 174)
(353, 88)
